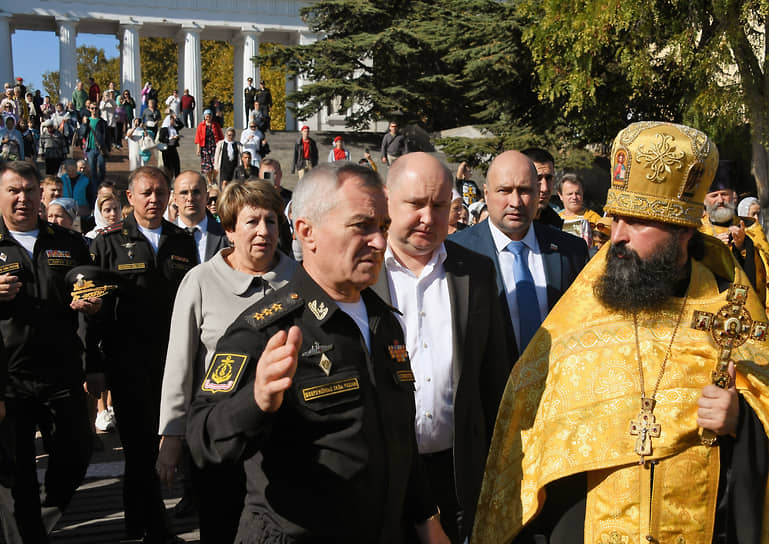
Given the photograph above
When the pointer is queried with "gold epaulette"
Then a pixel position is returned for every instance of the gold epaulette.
(272, 308)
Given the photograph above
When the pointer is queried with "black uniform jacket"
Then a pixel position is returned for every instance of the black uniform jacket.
(140, 316)
(338, 460)
(39, 330)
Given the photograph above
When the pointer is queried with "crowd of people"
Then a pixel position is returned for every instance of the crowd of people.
(419, 359)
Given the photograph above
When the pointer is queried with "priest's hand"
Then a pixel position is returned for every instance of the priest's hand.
(738, 235)
(276, 368)
(719, 409)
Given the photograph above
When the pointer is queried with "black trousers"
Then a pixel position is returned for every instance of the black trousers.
(135, 386)
(188, 118)
(220, 491)
(171, 160)
(249, 109)
(61, 414)
(439, 468)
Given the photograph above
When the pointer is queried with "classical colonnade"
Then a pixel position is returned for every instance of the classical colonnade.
(274, 21)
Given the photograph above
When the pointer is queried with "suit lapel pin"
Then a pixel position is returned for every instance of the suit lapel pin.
(553, 247)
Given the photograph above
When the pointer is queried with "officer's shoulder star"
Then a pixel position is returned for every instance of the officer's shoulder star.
(271, 308)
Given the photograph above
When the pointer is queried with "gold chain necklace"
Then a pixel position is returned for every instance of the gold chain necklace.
(645, 426)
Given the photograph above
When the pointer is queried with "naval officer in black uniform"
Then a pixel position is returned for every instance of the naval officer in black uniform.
(312, 386)
(41, 355)
(152, 256)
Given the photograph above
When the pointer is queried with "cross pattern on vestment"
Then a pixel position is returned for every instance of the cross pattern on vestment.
(645, 427)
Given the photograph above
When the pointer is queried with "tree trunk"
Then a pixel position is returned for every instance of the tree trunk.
(759, 163)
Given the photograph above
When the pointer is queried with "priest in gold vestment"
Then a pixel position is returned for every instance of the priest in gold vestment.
(747, 243)
(640, 410)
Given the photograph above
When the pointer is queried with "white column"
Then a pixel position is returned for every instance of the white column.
(290, 117)
(192, 76)
(67, 32)
(238, 83)
(307, 38)
(180, 66)
(246, 47)
(6, 59)
(130, 61)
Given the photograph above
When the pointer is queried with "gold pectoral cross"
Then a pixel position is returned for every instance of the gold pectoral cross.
(645, 427)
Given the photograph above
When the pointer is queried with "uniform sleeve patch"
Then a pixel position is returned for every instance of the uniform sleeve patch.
(224, 372)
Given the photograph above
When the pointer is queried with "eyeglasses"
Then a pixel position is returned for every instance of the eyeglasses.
(212, 200)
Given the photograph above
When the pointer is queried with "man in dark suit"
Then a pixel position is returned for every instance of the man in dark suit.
(191, 196)
(535, 263)
(454, 335)
(249, 94)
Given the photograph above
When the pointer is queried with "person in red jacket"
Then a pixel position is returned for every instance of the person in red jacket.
(94, 92)
(207, 135)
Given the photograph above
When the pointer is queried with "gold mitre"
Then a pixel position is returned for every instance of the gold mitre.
(661, 171)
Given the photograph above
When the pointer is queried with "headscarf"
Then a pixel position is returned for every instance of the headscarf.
(230, 145)
(67, 204)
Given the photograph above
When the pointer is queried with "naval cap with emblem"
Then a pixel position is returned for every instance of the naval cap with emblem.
(661, 172)
(95, 280)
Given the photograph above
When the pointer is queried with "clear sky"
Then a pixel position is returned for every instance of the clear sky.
(35, 53)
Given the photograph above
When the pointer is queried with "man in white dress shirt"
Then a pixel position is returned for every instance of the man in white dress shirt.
(191, 197)
(454, 334)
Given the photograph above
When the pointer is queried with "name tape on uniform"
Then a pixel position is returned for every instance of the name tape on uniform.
(9, 267)
(132, 266)
(329, 389)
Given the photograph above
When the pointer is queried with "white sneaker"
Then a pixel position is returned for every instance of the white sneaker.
(104, 421)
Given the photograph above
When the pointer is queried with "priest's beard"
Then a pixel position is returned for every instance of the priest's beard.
(722, 213)
(631, 284)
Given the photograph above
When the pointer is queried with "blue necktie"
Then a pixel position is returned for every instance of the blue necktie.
(528, 308)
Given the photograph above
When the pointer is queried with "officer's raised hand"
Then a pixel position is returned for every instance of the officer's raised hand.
(9, 287)
(276, 368)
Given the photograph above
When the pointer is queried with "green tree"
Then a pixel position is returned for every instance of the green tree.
(51, 85)
(91, 62)
(440, 64)
(702, 62)
(159, 61)
(217, 61)
(275, 79)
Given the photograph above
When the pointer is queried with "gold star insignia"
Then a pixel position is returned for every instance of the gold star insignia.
(258, 316)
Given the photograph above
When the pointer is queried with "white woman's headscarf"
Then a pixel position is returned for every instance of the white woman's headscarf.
(230, 146)
(744, 206)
